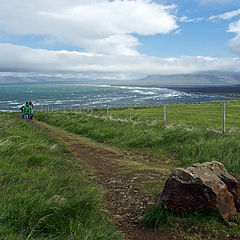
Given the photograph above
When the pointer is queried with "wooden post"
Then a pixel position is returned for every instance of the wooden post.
(107, 112)
(70, 107)
(130, 114)
(223, 119)
(48, 108)
(91, 111)
(80, 108)
(164, 113)
(52, 108)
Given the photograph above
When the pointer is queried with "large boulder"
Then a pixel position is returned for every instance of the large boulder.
(201, 186)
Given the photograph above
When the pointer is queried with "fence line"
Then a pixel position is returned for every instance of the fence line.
(130, 117)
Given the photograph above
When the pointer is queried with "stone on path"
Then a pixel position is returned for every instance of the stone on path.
(202, 186)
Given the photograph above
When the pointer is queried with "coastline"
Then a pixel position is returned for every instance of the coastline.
(232, 91)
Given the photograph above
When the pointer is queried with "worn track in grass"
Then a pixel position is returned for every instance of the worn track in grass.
(123, 198)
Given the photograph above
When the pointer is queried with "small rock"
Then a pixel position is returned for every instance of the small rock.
(118, 217)
(232, 224)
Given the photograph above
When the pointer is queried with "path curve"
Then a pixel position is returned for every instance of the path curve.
(122, 198)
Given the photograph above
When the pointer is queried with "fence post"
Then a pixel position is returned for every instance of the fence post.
(130, 114)
(52, 108)
(164, 113)
(223, 118)
(40, 107)
(48, 108)
(91, 111)
(107, 111)
(70, 107)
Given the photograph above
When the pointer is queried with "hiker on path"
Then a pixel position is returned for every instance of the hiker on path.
(27, 111)
(31, 104)
(22, 110)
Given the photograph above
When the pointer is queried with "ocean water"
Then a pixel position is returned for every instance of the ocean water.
(59, 96)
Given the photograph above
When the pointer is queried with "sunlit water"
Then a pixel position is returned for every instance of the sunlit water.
(86, 96)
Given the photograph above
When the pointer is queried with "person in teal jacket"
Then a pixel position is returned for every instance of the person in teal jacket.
(27, 111)
(31, 104)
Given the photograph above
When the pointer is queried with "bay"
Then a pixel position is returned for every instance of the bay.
(59, 96)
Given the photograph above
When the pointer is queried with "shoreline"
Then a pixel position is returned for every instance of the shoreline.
(220, 91)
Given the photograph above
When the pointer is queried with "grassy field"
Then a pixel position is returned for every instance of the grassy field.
(45, 192)
(206, 115)
(192, 134)
(181, 141)
(49, 197)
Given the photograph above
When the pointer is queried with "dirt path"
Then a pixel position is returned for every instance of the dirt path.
(123, 198)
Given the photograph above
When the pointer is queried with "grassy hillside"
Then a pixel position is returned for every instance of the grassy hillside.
(45, 192)
(192, 132)
(44, 195)
(205, 115)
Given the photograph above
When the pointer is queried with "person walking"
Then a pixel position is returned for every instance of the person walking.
(31, 104)
(22, 110)
(27, 111)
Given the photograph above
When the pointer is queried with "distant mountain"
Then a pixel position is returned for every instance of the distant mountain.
(201, 79)
(192, 79)
(40, 80)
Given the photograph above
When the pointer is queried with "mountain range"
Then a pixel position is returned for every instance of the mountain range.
(201, 79)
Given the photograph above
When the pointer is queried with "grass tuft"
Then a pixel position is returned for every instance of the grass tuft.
(45, 193)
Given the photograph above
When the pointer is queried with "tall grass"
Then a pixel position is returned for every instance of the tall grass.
(185, 139)
(204, 224)
(182, 143)
(45, 194)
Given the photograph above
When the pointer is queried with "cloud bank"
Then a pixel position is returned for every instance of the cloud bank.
(96, 26)
(24, 59)
(108, 34)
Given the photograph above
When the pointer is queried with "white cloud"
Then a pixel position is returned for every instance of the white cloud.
(207, 2)
(227, 15)
(235, 42)
(234, 27)
(97, 25)
(187, 19)
(23, 59)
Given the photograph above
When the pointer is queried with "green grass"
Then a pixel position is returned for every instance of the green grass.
(206, 115)
(192, 134)
(205, 224)
(45, 192)
(182, 143)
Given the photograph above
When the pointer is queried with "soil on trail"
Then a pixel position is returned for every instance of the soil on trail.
(123, 197)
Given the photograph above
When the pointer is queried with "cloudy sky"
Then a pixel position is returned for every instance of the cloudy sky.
(118, 38)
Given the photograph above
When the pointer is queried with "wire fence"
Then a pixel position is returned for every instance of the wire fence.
(220, 115)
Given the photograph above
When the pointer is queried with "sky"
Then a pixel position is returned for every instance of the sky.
(118, 39)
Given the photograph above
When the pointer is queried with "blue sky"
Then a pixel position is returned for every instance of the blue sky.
(200, 37)
(119, 38)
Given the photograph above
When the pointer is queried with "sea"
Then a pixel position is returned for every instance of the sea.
(76, 96)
